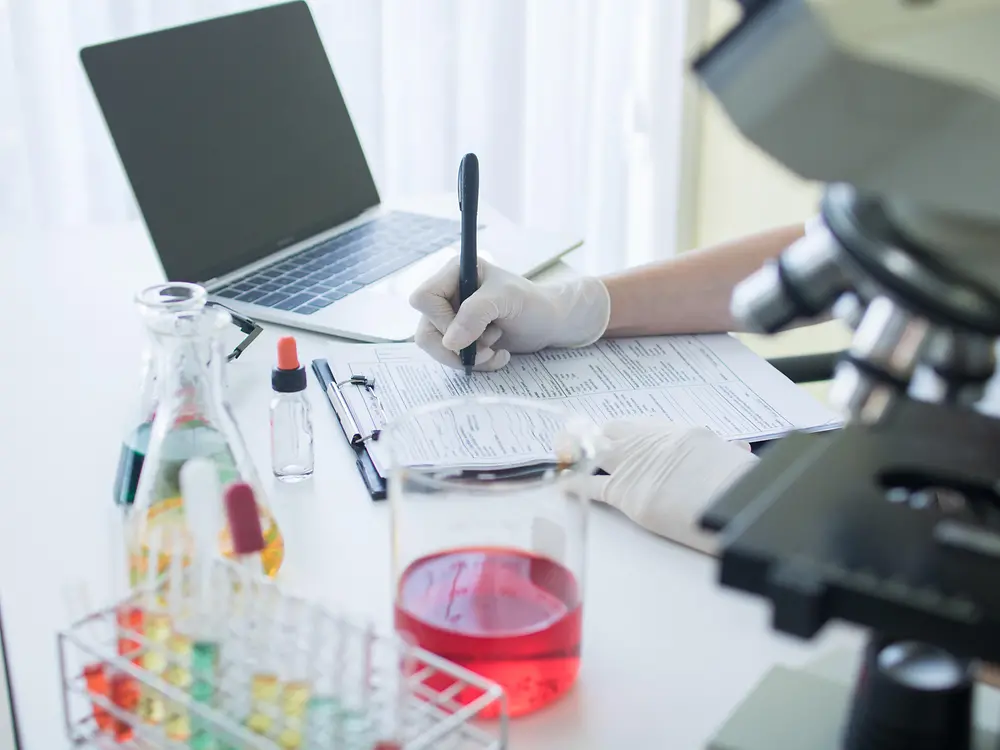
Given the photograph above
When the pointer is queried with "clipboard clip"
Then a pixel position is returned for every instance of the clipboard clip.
(361, 381)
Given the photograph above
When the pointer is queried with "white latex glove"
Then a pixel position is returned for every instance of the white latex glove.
(507, 315)
(663, 475)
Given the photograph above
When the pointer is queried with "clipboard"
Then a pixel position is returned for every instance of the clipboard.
(375, 483)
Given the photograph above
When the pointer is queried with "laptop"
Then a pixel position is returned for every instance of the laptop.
(252, 181)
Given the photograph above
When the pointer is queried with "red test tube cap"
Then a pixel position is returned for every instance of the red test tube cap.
(244, 520)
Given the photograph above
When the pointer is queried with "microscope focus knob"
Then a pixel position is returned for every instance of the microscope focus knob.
(803, 282)
(954, 369)
(911, 696)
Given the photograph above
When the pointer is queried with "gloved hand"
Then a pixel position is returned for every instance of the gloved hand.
(663, 475)
(507, 315)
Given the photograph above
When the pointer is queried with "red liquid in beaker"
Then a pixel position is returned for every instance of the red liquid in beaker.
(510, 616)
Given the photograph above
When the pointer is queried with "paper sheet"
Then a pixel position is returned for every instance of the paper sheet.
(712, 381)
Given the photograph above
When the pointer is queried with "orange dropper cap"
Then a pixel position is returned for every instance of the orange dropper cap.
(289, 376)
(288, 353)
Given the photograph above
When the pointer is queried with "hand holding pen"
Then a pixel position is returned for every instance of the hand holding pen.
(477, 315)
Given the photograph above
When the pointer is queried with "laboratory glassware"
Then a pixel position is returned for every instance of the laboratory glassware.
(165, 300)
(356, 694)
(291, 422)
(488, 562)
(193, 420)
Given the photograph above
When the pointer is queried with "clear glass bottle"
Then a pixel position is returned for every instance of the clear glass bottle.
(291, 422)
(193, 420)
(163, 298)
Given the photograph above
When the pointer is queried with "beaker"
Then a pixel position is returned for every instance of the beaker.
(489, 522)
(193, 420)
(161, 299)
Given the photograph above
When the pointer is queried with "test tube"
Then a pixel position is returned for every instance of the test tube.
(407, 668)
(296, 684)
(128, 613)
(199, 479)
(157, 631)
(205, 656)
(232, 694)
(125, 695)
(357, 715)
(124, 688)
(95, 674)
(128, 617)
(265, 686)
(125, 691)
(390, 718)
(367, 684)
(323, 710)
(96, 678)
(248, 543)
(204, 673)
(177, 720)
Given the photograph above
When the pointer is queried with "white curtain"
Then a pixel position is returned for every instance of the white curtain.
(573, 106)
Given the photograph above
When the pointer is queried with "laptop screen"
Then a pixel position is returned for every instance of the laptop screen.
(234, 136)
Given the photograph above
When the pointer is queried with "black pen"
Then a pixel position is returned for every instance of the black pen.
(468, 262)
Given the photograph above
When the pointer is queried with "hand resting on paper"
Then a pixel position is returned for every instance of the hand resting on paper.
(507, 315)
(663, 475)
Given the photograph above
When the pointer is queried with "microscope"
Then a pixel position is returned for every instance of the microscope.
(892, 523)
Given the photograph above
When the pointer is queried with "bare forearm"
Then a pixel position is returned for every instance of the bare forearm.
(690, 293)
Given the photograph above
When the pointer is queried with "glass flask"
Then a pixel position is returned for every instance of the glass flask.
(192, 420)
(161, 299)
(489, 522)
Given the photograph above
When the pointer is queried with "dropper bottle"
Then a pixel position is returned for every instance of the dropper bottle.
(291, 423)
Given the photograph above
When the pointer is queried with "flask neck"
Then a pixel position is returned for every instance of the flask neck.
(161, 306)
(189, 376)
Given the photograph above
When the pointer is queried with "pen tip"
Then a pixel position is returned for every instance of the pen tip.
(468, 371)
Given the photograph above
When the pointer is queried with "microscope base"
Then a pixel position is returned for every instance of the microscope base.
(798, 709)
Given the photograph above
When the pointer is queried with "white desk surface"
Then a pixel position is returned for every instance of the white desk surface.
(666, 653)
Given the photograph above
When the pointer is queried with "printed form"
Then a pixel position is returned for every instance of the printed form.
(712, 381)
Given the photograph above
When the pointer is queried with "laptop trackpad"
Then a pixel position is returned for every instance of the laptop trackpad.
(382, 311)
(385, 305)
(404, 282)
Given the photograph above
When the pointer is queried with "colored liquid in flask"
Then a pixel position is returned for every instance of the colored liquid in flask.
(96, 680)
(195, 439)
(510, 616)
(273, 553)
(130, 464)
(166, 518)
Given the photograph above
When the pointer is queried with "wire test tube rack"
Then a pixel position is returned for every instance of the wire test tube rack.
(361, 690)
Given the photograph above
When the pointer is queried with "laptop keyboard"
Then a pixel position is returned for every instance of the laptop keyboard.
(318, 276)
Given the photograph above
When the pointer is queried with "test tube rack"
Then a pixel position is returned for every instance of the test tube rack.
(379, 692)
